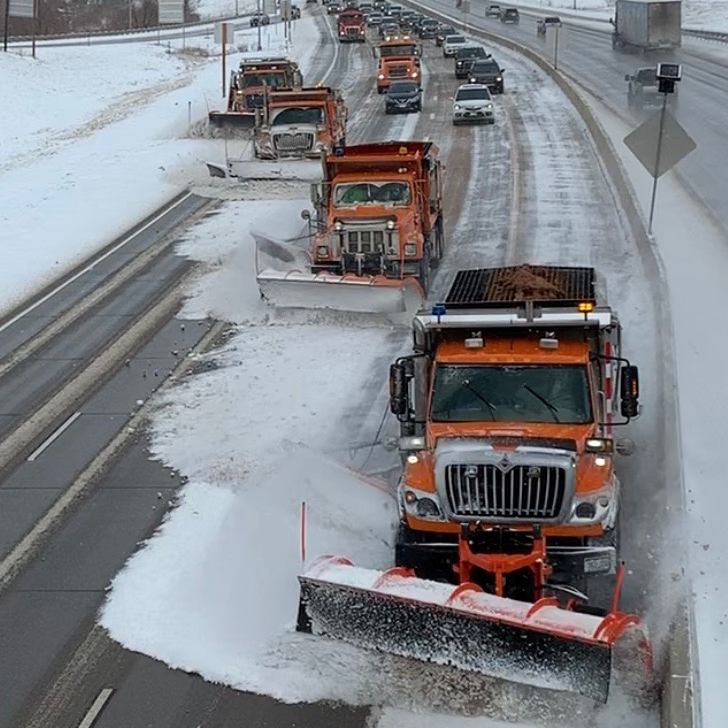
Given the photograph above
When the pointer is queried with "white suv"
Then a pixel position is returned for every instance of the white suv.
(452, 43)
(472, 102)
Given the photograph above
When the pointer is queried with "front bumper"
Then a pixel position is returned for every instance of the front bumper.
(471, 115)
(407, 108)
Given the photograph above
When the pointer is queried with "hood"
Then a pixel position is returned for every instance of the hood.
(294, 128)
(403, 95)
(473, 103)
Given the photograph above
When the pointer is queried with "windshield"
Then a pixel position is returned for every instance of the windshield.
(453, 39)
(470, 94)
(371, 193)
(299, 116)
(264, 79)
(511, 394)
(647, 76)
(484, 67)
(470, 53)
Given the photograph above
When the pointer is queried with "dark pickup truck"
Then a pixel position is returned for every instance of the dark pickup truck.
(465, 57)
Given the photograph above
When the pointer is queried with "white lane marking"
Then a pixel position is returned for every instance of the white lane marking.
(432, 116)
(91, 266)
(98, 705)
(39, 451)
(337, 45)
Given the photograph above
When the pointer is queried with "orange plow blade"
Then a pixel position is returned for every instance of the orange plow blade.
(285, 281)
(539, 644)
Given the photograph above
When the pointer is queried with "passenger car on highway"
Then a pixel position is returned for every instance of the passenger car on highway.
(489, 73)
(509, 15)
(543, 24)
(428, 28)
(472, 103)
(465, 57)
(259, 19)
(452, 43)
(492, 11)
(403, 97)
(443, 32)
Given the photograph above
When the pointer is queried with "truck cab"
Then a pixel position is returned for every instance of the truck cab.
(379, 211)
(298, 123)
(351, 26)
(506, 414)
(399, 60)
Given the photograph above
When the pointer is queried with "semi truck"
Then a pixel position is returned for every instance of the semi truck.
(247, 89)
(300, 123)
(649, 25)
(509, 495)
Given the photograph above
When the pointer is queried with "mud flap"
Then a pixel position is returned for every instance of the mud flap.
(537, 644)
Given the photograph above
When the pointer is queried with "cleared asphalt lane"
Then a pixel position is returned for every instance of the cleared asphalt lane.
(586, 54)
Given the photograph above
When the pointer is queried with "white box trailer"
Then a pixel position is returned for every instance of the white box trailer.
(647, 24)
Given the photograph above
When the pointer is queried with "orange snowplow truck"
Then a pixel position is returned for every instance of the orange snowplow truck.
(507, 555)
(379, 211)
(399, 60)
(351, 26)
(298, 123)
(247, 89)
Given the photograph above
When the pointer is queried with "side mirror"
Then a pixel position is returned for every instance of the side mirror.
(627, 77)
(305, 215)
(502, 70)
(629, 389)
(315, 194)
(398, 400)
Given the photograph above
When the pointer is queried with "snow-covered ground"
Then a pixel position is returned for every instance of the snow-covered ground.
(77, 168)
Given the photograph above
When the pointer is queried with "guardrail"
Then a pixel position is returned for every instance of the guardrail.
(129, 31)
(707, 34)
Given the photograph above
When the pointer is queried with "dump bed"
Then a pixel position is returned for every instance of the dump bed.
(373, 158)
(649, 24)
(316, 94)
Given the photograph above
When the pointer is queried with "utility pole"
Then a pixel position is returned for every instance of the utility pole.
(7, 22)
(260, 46)
(556, 49)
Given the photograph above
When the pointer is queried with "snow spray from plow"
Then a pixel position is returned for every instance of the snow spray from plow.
(539, 644)
(285, 280)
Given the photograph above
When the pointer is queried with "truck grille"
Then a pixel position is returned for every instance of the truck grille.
(254, 101)
(364, 241)
(527, 492)
(397, 71)
(295, 142)
(352, 32)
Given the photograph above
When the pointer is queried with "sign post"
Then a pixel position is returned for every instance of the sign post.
(221, 36)
(19, 9)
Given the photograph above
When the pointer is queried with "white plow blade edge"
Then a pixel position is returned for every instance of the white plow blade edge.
(537, 644)
(295, 287)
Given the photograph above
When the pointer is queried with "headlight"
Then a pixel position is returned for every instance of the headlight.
(390, 224)
(599, 444)
(498, 78)
(472, 80)
(489, 106)
(338, 226)
(322, 251)
(410, 250)
(414, 74)
(457, 107)
(427, 508)
(381, 76)
(585, 510)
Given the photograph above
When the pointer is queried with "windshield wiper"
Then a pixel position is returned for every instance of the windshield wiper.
(490, 405)
(548, 404)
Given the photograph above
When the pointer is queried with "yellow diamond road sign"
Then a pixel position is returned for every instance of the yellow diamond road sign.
(676, 144)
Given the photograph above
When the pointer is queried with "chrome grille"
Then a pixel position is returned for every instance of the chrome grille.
(352, 32)
(364, 241)
(254, 101)
(528, 492)
(397, 71)
(294, 142)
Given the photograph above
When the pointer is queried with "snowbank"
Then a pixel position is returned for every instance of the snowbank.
(87, 150)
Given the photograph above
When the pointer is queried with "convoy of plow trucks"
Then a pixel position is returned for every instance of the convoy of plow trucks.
(507, 558)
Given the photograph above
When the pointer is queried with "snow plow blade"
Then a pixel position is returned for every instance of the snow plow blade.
(226, 119)
(538, 644)
(285, 280)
